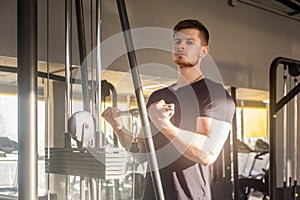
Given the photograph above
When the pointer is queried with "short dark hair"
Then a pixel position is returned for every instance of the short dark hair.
(191, 23)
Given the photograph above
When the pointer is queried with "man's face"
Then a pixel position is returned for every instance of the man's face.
(187, 49)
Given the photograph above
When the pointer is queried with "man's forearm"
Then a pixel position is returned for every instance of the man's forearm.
(198, 147)
(125, 139)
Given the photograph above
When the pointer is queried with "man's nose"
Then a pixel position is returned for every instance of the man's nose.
(181, 45)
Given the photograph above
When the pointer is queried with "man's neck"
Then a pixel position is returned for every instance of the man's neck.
(188, 75)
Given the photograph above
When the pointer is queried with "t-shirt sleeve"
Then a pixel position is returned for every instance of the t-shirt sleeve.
(219, 105)
(154, 97)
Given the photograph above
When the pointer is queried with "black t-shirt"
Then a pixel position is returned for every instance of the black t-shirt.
(182, 178)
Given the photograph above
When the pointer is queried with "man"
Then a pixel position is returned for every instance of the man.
(189, 138)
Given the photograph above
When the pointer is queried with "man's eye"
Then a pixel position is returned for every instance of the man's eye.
(177, 42)
(189, 42)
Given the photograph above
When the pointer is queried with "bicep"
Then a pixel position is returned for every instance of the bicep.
(203, 125)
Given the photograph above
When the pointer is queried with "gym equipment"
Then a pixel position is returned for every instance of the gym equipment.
(86, 159)
(254, 170)
(90, 158)
(134, 177)
(8, 145)
(103, 162)
(288, 190)
(82, 128)
(153, 165)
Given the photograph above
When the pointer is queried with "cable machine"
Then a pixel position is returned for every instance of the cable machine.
(288, 103)
(83, 127)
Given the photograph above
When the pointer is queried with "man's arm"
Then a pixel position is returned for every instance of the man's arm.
(196, 146)
(111, 115)
(202, 146)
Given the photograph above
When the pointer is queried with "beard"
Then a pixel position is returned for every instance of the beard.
(182, 62)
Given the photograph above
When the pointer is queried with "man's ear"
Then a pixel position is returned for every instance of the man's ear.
(204, 51)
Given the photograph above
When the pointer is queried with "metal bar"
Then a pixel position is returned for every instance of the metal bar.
(95, 113)
(114, 104)
(90, 61)
(50, 76)
(273, 169)
(108, 85)
(235, 149)
(227, 161)
(67, 191)
(68, 60)
(8, 69)
(98, 135)
(93, 188)
(295, 160)
(27, 99)
(290, 95)
(157, 186)
(40, 74)
(98, 138)
(68, 65)
(82, 55)
(47, 97)
(83, 71)
(284, 131)
(242, 119)
(82, 188)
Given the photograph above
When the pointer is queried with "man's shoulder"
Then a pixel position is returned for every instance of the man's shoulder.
(209, 87)
(210, 83)
(218, 91)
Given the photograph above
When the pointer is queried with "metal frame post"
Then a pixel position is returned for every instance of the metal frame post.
(68, 65)
(235, 149)
(82, 55)
(157, 186)
(27, 99)
(98, 137)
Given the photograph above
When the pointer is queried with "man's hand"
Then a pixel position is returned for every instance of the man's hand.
(160, 114)
(111, 115)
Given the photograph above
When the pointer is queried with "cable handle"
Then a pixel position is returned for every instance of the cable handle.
(134, 144)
